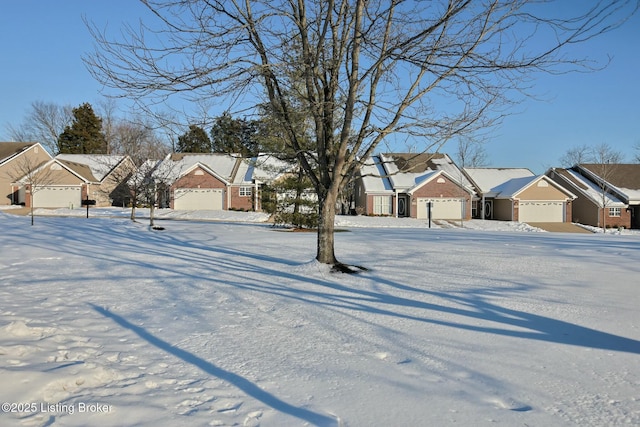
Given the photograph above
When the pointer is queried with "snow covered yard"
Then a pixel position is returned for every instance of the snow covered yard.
(106, 323)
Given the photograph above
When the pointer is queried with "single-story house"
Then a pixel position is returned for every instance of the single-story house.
(18, 159)
(411, 185)
(216, 181)
(610, 202)
(532, 199)
(516, 194)
(67, 179)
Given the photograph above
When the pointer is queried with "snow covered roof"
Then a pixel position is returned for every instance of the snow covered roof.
(93, 167)
(404, 171)
(623, 179)
(586, 187)
(262, 168)
(374, 176)
(232, 168)
(223, 165)
(486, 179)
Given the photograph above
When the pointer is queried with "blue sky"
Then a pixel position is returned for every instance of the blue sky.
(42, 43)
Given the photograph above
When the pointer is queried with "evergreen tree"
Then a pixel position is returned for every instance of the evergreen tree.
(195, 140)
(292, 201)
(84, 135)
(239, 136)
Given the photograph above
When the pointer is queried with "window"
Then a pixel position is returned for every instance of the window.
(382, 205)
(614, 211)
(245, 191)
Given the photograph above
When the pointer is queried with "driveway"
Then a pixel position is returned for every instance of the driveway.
(559, 227)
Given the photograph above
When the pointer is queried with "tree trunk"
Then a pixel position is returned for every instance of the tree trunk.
(325, 249)
(31, 203)
(151, 214)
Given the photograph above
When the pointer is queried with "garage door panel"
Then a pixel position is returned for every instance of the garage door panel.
(442, 208)
(57, 196)
(198, 199)
(551, 211)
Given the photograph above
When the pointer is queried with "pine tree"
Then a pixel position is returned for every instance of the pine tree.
(195, 140)
(239, 136)
(84, 135)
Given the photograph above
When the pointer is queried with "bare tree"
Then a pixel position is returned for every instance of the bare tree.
(604, 161)
(471, 153)
(637, 155)
(601, 161)
(362, 70)
(139, 142)
(44, 122)
(33, 175)
(577, 155)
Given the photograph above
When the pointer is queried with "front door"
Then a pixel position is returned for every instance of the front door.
(488, 209)
(403, 205)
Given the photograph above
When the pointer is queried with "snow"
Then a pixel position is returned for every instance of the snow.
(594, 192)
(105, 322)
(488, 178)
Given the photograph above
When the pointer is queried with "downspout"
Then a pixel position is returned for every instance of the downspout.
(482, 208)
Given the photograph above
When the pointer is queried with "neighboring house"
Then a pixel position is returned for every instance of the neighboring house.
(611, 202)
(516, 194)
(408, 185)
(16, 160)
(266, 169)
(68, 179)
(215, 181)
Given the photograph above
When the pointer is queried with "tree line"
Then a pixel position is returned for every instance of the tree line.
(63, 129)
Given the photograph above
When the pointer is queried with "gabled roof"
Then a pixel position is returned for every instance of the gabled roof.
(486, 179)
(262, 168)
(405, 169)
(406, 172)
(91, 167)
(623, 179)
(9, 150)
(374, 176)
(207, 169)
(429, 176)
(224, 166)
(82, 172)
(515, 186)
(589, 189)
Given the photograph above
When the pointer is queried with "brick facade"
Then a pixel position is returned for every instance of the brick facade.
(441, 187)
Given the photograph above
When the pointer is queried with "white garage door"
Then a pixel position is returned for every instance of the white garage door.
(541, 211)
(57, 196)
(441, 208)
(198, 199)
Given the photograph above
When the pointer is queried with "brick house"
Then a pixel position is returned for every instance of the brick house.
(610, 202)
(217, 181)
(409, 185)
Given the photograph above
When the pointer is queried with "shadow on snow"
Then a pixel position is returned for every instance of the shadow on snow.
(242, 383)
